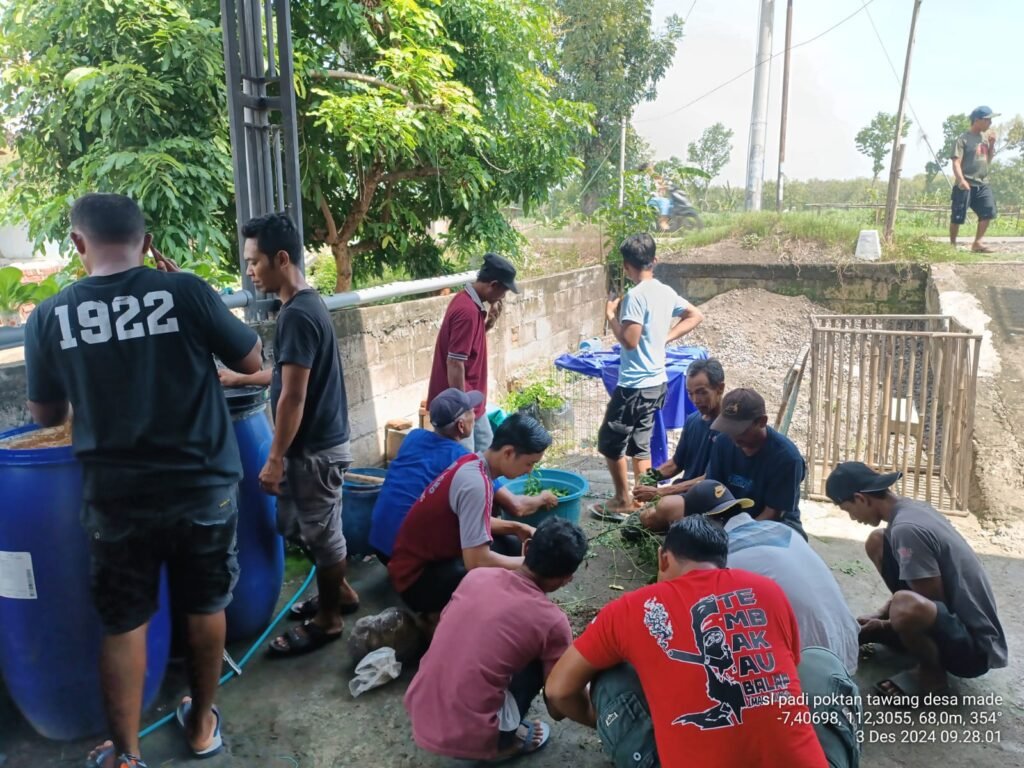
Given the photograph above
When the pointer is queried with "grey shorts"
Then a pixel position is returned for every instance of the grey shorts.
(309, 507)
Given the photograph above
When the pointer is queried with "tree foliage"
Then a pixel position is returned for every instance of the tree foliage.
(612, 56)
(952, 127)
(875, 140)
(710, 153)
(408, 110)
(125, 96)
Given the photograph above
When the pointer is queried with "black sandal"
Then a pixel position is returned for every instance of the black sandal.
(308, 636)
(307, 609)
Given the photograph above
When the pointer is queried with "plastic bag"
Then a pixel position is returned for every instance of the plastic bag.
(375, 670)
(391, 628)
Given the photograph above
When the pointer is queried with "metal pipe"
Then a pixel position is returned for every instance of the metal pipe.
(15, 336)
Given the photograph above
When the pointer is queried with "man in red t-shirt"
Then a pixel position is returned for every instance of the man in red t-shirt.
(460, 352)
(716, 653)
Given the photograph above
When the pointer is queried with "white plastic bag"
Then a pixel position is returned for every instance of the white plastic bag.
(376, 668)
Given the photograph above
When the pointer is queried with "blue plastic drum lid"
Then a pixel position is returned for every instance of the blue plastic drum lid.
(260, 546)
(358, 500)
(50, 643)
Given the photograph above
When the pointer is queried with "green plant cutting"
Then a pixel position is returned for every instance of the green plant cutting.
(534, 487)
(539, 393)
(14, 294)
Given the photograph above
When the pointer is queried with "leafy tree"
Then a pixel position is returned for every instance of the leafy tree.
(93, 98)
(408, 111)
(952, 127)
(875, 140)
(710, 153)
(611, 56)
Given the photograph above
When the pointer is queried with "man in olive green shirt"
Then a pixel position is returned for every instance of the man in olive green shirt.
(971, 158)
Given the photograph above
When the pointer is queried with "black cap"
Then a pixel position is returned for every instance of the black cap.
(498, 268)
(710, 497)
(740, 409)
(853, 477)
(451, 404)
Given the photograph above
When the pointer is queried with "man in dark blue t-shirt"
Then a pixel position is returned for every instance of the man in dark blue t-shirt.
(424, 455)
(755, 462)
(310, 451)
(705, 385)
(131, 350)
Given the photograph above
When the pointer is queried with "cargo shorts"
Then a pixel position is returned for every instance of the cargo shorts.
(629, 422)
(623, 719)
(309, 507)
(192, 532)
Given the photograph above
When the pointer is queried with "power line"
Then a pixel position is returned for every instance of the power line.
(751, 69)
(692, 6)
(920, 125)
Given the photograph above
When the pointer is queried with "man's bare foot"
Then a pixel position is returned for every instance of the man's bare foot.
(979, 248)
(914, 682)
(348, 595)
(106, 746)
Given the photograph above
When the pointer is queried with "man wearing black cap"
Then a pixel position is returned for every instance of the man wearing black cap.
(754, 461)
(424, 455)
(942, 609)
(971, 159)
(460, 352)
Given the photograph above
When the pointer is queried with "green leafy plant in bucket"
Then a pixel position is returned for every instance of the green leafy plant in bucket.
(534, 487)
(540, 393)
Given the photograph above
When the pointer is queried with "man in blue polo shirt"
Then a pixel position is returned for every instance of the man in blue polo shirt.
(424, 455)
(755, 462)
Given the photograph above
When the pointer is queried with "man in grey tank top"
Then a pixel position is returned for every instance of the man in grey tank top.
(942, 609)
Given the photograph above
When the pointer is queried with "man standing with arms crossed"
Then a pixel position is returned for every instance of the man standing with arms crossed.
(131, 350)
(971, 159)
(310, 451)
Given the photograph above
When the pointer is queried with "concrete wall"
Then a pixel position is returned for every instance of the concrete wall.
(387, 350)
(848, 288)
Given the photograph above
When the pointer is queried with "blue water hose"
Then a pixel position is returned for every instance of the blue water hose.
(248, 654)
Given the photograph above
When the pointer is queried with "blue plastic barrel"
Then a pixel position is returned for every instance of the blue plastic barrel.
(357, 502)
(569, 506)
(260, 546)
(50, 637)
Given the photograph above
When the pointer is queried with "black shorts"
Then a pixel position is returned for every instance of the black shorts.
(980, 199)
(437, 583)
(960, 654)
(629, 422)
(192, 532)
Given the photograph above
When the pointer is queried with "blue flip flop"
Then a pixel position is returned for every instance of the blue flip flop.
(526, 743)
(217, 746)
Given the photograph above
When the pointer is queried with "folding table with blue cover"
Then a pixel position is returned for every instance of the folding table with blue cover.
(605, 365)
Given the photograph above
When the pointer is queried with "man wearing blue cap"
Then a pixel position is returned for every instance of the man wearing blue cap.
(971, 158)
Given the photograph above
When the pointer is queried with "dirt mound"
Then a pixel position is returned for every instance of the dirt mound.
(757, 335)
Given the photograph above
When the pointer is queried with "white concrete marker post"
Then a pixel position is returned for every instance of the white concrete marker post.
(869, 247)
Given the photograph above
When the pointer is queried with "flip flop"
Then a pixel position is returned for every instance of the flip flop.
(905, 683)
(124, 760)
(217, 746)
(304, 638)
(526, 743)
(307, 609)
(599, 511)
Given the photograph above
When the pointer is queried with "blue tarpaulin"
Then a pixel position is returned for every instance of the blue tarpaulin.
(605, 364)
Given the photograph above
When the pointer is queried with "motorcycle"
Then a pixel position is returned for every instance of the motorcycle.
(682, 214)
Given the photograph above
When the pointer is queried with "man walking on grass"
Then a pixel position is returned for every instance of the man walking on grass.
(131, 350)
(971, 159)
(643, 326)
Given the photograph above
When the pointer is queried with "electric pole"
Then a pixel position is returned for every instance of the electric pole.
(622, 163)
(893, 196)
(759, 110)
(785, 107)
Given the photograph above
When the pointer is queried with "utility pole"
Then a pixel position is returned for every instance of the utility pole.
(893, 196)
(622, 163)
(785, 107)
(759, 110)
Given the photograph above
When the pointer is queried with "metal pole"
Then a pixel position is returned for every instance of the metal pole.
(759, 109)
(622, 163)
(785, 107)
(893, 196)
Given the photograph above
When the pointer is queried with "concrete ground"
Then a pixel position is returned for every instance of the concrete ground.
(299, 713)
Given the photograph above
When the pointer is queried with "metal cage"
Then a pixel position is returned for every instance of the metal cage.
(896, 392)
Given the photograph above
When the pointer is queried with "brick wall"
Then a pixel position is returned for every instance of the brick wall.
(387, 350)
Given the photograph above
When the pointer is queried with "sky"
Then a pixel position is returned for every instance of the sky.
(966, 54)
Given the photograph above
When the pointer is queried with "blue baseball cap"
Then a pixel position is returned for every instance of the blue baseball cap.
(983, 113)
(451, 404)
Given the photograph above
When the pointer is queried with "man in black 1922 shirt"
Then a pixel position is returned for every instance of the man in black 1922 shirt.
(131, 350)
(310, 451)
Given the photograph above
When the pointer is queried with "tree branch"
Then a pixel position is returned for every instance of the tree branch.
(340, 74)
(365, 245)
(423, 172)
(332, 227)
(358, 211)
